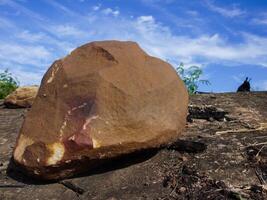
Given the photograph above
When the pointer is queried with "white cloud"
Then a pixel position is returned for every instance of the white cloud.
(160, 41)
(68, 30)
(191, 24)
(146, 19)
(31, 37)
(5, 23)
(193, 13)
(61, 7)
(96, 7)
(260, 85)
(260, 20)
(109, 11)
(226, 12)
(158, 1)
(24, 54)
(22, 9)
(42, 39)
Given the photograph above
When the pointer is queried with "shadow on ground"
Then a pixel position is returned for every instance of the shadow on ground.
(16, 173)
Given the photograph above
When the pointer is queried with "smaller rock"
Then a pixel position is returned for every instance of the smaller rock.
(211, 119)
(208, 112)
(182, 190)
(182, 157)
(256, 188)
(188, 146)
(22, 97)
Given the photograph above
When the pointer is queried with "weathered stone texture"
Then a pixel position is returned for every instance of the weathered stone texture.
(103, 100)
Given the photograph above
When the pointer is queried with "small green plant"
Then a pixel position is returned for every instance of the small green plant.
(8, 83)
(191, 77)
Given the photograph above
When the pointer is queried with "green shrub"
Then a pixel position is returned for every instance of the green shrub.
(8, 84)
(191, 77)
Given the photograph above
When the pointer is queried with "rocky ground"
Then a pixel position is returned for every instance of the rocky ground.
(222, 155)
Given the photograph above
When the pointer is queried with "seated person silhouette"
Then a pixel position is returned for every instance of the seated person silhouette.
(245, 87)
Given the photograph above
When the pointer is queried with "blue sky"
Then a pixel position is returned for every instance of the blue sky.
(227, 39)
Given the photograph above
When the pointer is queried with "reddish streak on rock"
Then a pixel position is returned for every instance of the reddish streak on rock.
(78, 141)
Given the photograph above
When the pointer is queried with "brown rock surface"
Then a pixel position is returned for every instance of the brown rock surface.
(22, 97)
(103, 100)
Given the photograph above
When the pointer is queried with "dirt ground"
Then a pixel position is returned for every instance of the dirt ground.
(221, 155)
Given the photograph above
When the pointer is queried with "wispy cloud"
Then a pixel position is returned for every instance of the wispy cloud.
(110, 11)
(96, 7)
(193, 13)
(261, 19)
(158, 1)
(191, 24)
(160, 41)
(5, 23)
(22, 9)
(31, 37)
(61, 7)
(231, 12)
(68, 30)
(24, 54)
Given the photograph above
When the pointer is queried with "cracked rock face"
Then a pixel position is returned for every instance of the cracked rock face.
(104, 100)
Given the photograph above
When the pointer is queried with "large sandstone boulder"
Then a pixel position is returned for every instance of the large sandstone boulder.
(104, 100)
(22, 97)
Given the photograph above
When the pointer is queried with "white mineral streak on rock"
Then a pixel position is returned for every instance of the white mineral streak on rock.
(96, 143)
(64, 124)
(54, 71)
(88, 121)
(101, 155)
(72, 138)
(57, 154)
(36, 172)
(62, 128)
(78, 107)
